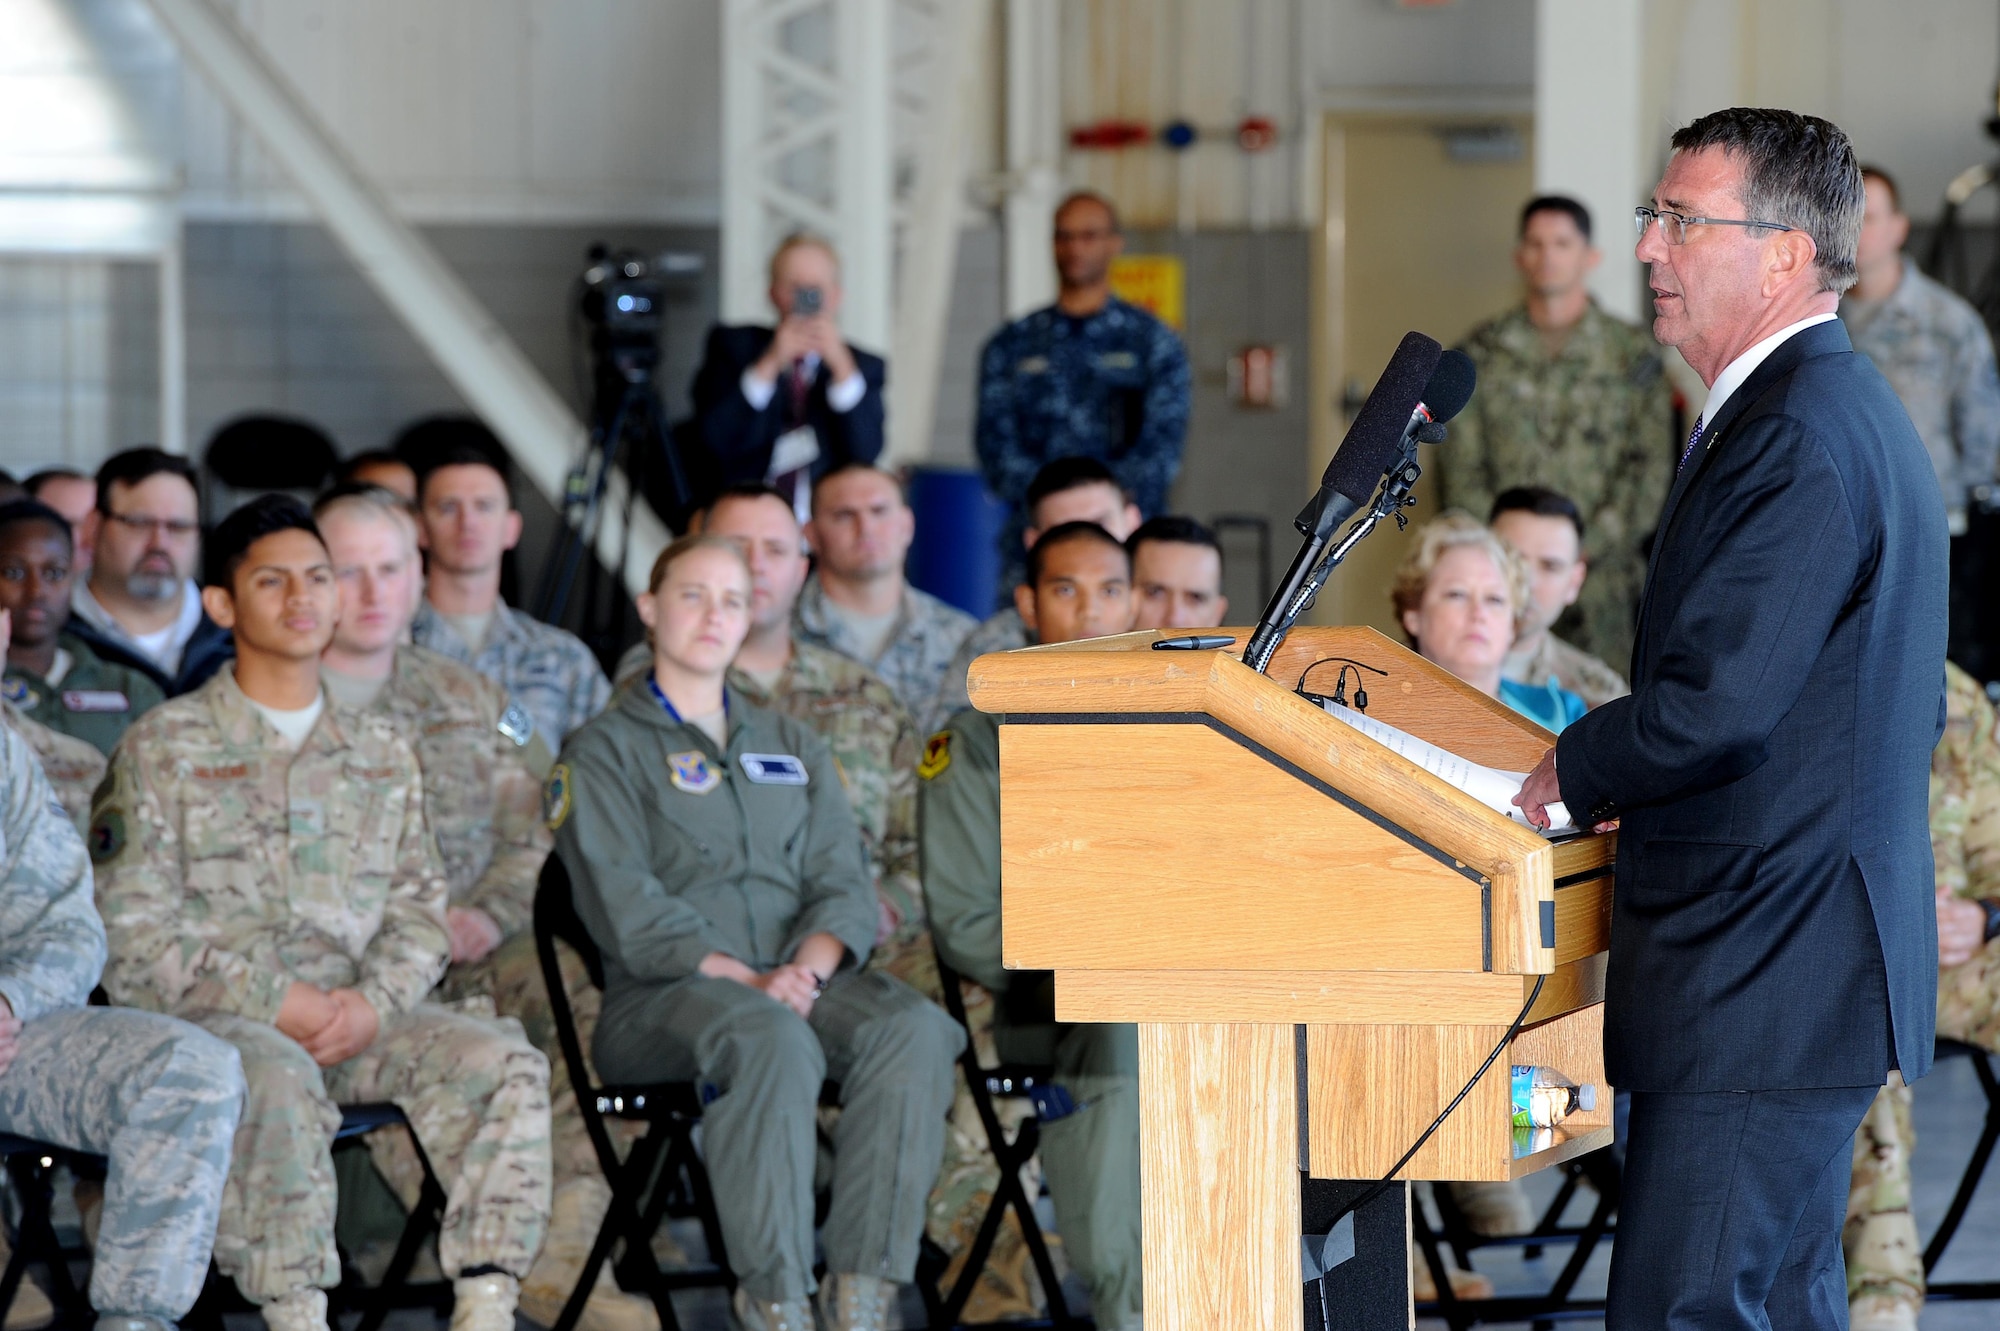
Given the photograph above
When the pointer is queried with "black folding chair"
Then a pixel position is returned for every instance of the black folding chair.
(1010, 1080)
(395, 1291)
(1968, 1182)
(31, 1168)
(1599, 1170)
(670, 1112)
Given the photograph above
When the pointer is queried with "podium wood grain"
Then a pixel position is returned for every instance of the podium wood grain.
(1220, 1175)
(1191, 846)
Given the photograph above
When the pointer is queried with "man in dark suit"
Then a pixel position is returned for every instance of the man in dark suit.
(1773, 941)
(784, 405)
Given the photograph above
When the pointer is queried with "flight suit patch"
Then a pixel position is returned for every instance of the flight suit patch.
(773, 769)
(689, 771)
(16, 691)
(555, 796)
(937, 755)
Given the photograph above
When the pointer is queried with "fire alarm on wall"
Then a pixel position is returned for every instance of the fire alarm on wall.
(1257, 377)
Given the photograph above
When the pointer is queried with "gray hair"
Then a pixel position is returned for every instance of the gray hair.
(1798, 170)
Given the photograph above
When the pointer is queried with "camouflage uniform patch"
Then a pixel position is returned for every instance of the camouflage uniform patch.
(1935, 352)
(1593, 421)
(249, 866)
(1115, 386)
(548, 671)
(926, 635)
(1884, 1260)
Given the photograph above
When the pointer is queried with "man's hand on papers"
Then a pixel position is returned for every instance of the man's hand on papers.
(1540, 790)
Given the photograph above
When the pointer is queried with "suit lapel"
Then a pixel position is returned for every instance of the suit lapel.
(1821, 339)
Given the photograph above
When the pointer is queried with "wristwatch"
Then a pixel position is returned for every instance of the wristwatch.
(1992, 909)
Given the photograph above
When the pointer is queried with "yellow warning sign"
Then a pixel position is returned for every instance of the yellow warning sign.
(1156, 283)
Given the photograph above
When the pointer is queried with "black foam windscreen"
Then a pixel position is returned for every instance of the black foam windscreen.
(1451, 385)
(1377, 432)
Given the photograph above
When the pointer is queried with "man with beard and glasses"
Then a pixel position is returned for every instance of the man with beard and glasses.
(140, 606)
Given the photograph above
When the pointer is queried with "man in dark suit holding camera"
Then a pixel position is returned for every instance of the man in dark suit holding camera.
(788, 404)
(1773, 939)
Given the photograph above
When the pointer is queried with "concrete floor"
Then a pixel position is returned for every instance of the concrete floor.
(1949, 1112)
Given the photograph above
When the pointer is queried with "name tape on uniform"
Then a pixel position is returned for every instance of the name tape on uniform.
(773, 769)
(96, 700)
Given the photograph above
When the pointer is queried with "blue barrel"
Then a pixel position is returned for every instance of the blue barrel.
(956, 554)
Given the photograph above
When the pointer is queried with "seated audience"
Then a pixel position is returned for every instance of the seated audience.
(466, 520)
(139, 606)
(787, 404)
(52, 675)
(717, 864)
(482, 778)
(858, 602)
(1461, 595)
(265, 869)
(159, 1098)
(1885, 1261)
(1070, 489)
(379, 467)
(1079, 586)
(1546, 530)
(1176, 575)
(72, 494)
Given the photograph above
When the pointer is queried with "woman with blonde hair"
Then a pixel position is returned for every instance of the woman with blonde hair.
(1460, 597)
(718, 867)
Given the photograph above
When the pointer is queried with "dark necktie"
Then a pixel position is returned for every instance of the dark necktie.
(1694, 437)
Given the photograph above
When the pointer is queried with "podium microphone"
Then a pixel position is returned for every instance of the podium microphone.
(1373, 444)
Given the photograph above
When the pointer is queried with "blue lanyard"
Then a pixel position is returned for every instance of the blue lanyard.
(661, 698)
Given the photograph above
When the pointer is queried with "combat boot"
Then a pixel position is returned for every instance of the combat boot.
(855, 1303)
(1880, 1312)
(300, 1310)
(575, 1215)
(484, 1303)
(769, 1314)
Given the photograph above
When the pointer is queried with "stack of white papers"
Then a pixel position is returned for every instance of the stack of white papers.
(1489, 785)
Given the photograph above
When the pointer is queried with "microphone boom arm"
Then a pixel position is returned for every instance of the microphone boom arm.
(1315, 562)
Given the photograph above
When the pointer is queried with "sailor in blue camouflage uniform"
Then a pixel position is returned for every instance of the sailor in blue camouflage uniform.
(1089, 376)
(158, 1097)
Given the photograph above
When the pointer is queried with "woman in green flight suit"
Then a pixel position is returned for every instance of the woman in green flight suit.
(718, 866)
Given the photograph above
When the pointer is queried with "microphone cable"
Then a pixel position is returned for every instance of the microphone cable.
(1381, 1185)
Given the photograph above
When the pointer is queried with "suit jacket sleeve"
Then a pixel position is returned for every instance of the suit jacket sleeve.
(1745, 635)
(856, 436)
(731, 430)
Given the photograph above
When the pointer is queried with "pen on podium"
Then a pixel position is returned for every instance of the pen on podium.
(1194, 642)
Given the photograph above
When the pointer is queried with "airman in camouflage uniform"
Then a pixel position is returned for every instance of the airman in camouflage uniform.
(231, 866)
(73, 768)
(545, 669)
(1088, 376)
(1593, 421)
(1002, 631)
(157, 1096)
(921, 644)
(1885, 1267)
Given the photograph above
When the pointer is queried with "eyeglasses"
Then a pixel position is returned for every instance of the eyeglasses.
(178, 528)
(1673, 226)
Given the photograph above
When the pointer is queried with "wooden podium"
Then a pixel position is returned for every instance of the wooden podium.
(1318, 940)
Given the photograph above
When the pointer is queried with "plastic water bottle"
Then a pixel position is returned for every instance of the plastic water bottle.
(1543, 1097)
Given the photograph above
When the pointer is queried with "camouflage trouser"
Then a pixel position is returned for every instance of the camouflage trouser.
(761, 1070)
(512, 979)
(160, 1099)
(476, 1094)
(1884, 1260)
